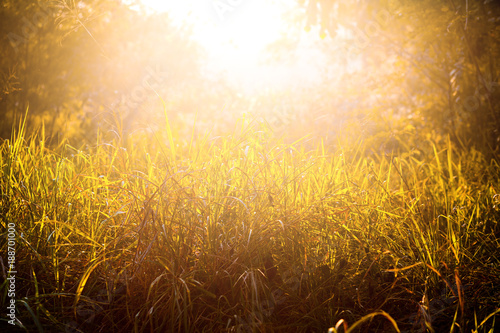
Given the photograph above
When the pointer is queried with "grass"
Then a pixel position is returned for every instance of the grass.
(244, 233)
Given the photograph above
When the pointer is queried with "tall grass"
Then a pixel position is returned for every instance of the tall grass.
(245, 233)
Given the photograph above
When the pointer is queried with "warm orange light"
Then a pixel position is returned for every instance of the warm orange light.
(235, 34)
(244, 26)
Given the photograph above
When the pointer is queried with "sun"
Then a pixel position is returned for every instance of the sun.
(245, 25)
(234, 33)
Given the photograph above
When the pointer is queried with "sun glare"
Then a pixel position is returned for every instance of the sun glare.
(235, 35)
(245, 25)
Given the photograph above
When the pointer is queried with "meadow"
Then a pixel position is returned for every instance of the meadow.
(249, 166)
(247, 232)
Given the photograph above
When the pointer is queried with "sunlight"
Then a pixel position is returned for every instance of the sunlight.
(246, 26)
(235, 35)
(183, 175)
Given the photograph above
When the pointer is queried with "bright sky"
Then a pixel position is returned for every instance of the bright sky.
(235, 34)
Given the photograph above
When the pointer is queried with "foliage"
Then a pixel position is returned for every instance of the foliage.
(246, 233)
(369, 202)
(77, 63)
(432, 61)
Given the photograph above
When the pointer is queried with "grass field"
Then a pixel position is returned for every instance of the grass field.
(245, 233)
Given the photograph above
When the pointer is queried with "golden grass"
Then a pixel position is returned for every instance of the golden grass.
(245, 233)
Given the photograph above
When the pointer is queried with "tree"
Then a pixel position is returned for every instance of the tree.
(439, 59)
(73, 61)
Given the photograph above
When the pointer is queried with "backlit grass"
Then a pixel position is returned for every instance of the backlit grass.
(243, 233)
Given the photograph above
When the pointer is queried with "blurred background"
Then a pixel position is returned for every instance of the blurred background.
(372, 69)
